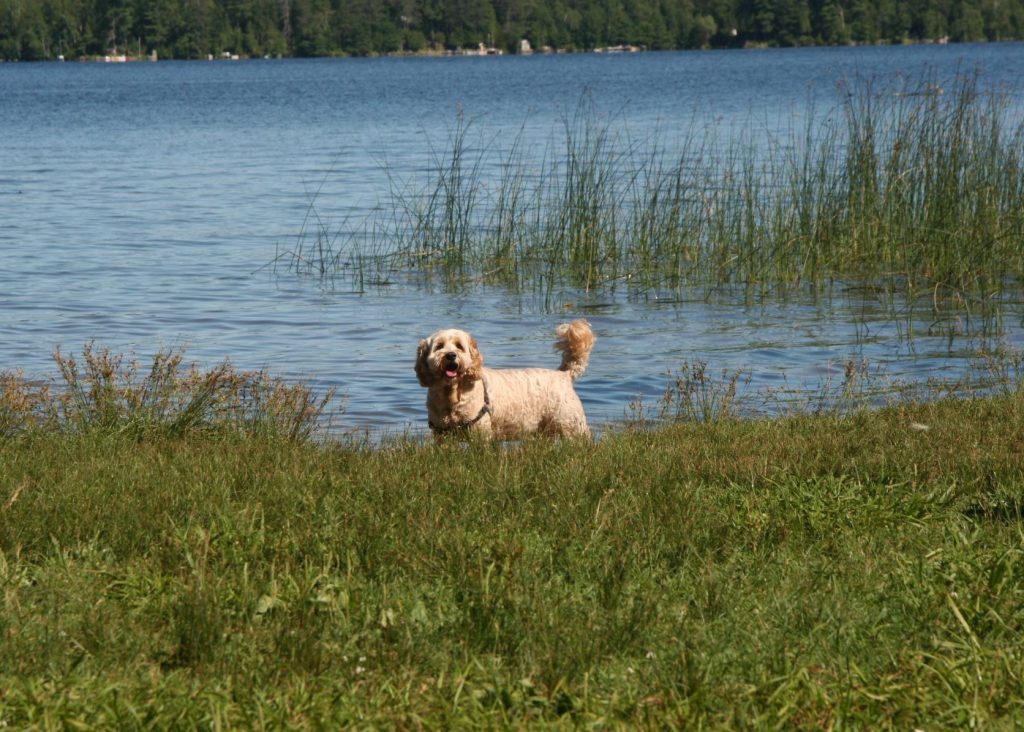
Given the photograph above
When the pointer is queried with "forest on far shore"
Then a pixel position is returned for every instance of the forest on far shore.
(47, 29)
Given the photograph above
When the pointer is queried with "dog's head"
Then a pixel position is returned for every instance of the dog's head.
(448, 356)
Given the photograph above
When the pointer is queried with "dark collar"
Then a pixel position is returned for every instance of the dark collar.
(485, 409)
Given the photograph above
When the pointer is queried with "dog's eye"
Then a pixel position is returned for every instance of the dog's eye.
(460, 347)
(439, 345)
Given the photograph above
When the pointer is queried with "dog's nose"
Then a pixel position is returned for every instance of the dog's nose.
(451, 357)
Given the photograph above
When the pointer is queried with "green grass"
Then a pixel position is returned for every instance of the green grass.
(116, 393)
(807, 572)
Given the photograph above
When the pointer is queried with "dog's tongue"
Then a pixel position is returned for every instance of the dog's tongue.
(451, 373)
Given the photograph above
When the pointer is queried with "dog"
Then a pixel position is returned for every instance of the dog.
(464, 397)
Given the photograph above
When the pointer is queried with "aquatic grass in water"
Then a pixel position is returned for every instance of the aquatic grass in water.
(698, 393)
(915, 188)
(935, 190)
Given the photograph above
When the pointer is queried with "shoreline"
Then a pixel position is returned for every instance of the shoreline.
(626, 49)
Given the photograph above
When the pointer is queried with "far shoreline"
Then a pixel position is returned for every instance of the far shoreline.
(625, 50)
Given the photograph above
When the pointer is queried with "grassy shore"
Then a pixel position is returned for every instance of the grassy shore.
(811, 572)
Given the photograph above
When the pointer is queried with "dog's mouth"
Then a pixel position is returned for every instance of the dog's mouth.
(450, 366)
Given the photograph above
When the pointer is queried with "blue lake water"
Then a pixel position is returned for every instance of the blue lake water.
(140, 204)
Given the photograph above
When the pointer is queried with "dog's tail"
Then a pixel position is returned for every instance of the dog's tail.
(575, 341)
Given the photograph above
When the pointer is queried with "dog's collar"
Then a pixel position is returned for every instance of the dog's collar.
(484, 410)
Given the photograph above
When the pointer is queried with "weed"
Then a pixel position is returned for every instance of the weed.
(693, 395)
(115, 393)
(21, 404)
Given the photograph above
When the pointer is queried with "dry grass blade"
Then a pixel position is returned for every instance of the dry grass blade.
(113, 392)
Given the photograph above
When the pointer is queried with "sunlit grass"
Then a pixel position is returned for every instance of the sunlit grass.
(806, 572)
(116, 393)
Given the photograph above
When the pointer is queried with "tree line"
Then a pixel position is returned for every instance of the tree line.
(47, 29)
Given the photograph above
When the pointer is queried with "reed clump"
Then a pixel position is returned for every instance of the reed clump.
(697, 393)
(916, 188)
(20, 403)
(115, 393)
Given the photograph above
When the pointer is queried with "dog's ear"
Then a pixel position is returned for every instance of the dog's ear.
(476, 360)
(423, 372)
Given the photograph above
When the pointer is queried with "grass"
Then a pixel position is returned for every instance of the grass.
(911, 187)
(106, 392)
(812, 571)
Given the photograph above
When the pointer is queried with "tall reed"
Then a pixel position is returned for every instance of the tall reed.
(912, 187)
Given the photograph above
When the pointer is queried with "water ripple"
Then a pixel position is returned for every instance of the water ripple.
(139, 202)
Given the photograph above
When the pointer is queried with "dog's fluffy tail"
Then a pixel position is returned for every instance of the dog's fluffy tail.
(575, 341)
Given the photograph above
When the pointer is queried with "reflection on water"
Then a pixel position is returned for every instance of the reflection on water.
(141, 205)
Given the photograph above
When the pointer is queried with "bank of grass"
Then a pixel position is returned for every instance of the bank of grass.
(117, 393)
(807, 572)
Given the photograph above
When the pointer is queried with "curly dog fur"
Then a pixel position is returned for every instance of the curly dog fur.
(465, 396)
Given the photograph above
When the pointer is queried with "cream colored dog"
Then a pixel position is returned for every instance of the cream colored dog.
(465, 397)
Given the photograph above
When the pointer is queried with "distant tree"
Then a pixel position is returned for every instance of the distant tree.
(39, 29)
(1015, 20)
(619, 26)
(593, 23)
(355, 28)
(414, 41)
(653, 23)
(194, 38)
(793, 23)
(932, 24)
(679, 21)
(23, 31)
(724, 14)
(968, 24)
(159, 20)
(312, 28)
(760, 23)
(704, 29)
(831, 23)
(892, 20)
(64, 27)
(864, 21)
(468, 22)
(119, 20)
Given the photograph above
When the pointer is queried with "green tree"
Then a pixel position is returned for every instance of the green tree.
(893, 21)
(968, 24)
(760, 19)
(864, 21)
(704, 29)
(38, 29)
(23, 31)
(724, 13)
(119, 24)
(312, 28)
(793, 22)
(467, 23)
(160, 24)
(679, 22)
(831, 24)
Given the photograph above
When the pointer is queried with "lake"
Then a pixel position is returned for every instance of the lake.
(143, 205)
